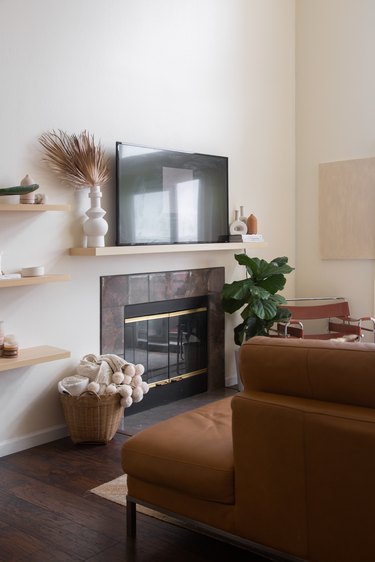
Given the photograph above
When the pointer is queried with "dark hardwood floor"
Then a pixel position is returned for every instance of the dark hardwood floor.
(48, 514)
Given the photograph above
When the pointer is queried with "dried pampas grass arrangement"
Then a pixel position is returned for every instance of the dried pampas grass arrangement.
(76, 159)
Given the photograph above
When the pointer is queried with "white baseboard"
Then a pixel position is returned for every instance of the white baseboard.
(30, 440)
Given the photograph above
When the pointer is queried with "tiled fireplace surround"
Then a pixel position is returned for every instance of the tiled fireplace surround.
(117, 291)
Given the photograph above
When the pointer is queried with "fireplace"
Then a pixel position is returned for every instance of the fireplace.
(173, 323)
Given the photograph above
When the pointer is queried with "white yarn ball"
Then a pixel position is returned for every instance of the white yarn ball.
(145, 387)
(102, 388)
(137, 380)
(118, 377)
(139, 369)
(127, 379)
(111, 389)
(137, 394)
(125, 390)
(129, 370)
(93, 387)
(126, 402)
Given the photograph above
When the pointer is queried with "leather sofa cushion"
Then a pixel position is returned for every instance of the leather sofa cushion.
(191, 453)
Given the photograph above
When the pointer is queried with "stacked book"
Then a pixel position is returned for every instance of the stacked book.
(246, 238)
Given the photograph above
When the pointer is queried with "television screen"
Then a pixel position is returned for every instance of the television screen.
(170, 197)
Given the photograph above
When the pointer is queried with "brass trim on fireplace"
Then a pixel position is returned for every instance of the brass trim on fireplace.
(177, 378)
(164, 315)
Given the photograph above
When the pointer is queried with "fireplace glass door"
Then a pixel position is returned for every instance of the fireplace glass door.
(171, 345)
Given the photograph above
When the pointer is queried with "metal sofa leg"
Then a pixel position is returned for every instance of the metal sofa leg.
(131, 517)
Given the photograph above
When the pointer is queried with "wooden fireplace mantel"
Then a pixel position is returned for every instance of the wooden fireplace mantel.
(164, 249)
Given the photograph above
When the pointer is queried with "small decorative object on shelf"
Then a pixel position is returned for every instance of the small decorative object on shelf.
(10, 348)
(237, 226)
(80, 163)
(242, 216)
(252, 225)
(40, 199)
(94, 398)
(18, 189)
(95, 227)
(11, 195)
(252, 238)
(35, 271)
(27, 197)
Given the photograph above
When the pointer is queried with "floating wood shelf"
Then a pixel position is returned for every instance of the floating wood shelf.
(33, 356)
(32, 207)
(32, 280)
(164, 249)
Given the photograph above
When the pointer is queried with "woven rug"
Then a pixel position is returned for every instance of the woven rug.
(116, 490)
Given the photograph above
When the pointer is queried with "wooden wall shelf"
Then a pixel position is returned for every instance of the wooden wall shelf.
(164, 249)
(33, 356)
(33, 280)
(33, 208)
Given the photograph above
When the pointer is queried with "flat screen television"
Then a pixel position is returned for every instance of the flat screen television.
(170, 197)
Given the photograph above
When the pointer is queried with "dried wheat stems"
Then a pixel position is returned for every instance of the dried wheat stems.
(76, 159)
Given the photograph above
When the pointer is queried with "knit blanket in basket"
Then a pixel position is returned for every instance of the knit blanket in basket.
(100, 368)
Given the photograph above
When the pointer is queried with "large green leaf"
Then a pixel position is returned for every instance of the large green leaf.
(279, 299)
(271, 269)
(254, 326)
(284, 269)
(260, 269)
(265, 309)
(273, 283)
(235, 295)
(266, 269)
(240, 333)
(281, 260)
(251, 264)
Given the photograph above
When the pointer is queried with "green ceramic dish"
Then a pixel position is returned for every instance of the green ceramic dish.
(18, 189)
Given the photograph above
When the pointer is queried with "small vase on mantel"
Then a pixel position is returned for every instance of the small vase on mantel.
(95, 227)
(237, 226)
(242, 216)
(252, 225)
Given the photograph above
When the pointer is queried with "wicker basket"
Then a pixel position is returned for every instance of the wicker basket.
(91, 418)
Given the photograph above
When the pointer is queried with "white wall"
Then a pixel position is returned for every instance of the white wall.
(212, 76)
(335, 88)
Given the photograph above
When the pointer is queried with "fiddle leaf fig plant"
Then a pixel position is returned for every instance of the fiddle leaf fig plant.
(256, 295)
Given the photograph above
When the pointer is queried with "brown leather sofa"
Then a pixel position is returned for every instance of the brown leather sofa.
(286, 467)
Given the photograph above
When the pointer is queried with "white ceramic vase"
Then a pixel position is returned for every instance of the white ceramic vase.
(79, 216)
(95, 227)
(237, 226)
